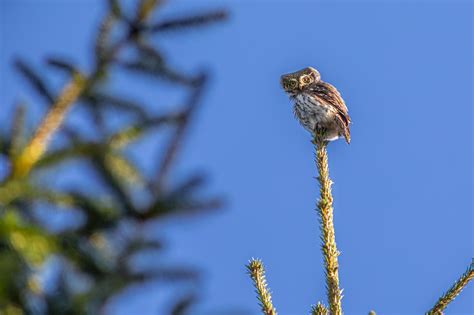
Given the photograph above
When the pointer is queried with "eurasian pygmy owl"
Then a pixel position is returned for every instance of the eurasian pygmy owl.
(317, 105)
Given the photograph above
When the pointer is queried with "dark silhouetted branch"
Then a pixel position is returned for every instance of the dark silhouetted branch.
(176, 140)
(35, 80)
(189, 22)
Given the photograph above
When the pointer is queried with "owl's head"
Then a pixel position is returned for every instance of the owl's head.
(296, 81)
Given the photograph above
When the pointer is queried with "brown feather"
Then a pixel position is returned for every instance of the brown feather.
(328, 94)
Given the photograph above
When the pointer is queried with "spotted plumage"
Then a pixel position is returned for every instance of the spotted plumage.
(318, 106)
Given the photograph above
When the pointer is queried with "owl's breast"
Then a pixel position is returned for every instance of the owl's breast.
(310, 107)
(311, 113)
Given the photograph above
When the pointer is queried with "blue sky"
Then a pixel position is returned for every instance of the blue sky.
(403, 188)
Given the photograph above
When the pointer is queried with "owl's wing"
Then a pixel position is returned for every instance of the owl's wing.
(328, 94)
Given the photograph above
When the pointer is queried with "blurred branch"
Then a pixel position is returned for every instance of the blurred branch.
(123, 168)
(78, 150)
(132, 132)
(176, 140)
(145, 8)
(61, 64)
(40, 86)
(137, 246)
(4, 145)
(182, 306)
(53, 119)
(98, 249)
(102, 39)
(35, 80)
(151, 62)
(189, 22)
(328, 238)
(14, 189)
(457, 287)
(99, 215)
(112, 181)
(188, 186)
(257, 272)
(17, 133)
(115, 8)
(101, 99)
(163, 206)
(167, 274)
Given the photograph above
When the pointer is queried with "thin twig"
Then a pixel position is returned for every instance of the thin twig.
(257, 273)
(328, 238)
(457, 287)
(191, 21)
(35, 80)
(103, 36)
(17, 133)
(176, 140)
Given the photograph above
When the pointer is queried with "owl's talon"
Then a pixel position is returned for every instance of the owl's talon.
(319, 135)
(320, 131)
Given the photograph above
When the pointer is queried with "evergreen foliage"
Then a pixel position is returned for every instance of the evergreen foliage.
(93, 259)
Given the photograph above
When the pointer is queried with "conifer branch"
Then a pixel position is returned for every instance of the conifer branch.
(51, 122)
(257, 273)
(449, 296)
(319, 309)
(328, 239)
(101, 247)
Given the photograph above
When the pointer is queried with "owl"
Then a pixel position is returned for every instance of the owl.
(318, 106)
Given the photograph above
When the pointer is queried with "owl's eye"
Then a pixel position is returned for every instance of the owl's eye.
(291, 84)
(306, 79)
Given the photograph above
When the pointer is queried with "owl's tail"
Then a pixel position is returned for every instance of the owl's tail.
(347, 135)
